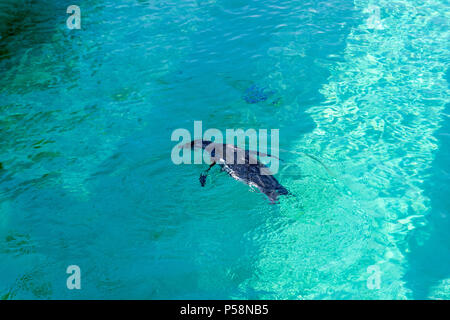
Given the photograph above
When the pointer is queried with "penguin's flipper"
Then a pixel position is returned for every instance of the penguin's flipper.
(204, 174)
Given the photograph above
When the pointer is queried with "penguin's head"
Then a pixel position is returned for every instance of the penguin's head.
(199, 143)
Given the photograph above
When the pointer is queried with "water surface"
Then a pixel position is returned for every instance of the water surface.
(86, 178)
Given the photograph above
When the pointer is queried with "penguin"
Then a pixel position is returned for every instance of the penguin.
(242, 165)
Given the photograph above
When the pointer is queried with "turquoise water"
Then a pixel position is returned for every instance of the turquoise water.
(86, 177)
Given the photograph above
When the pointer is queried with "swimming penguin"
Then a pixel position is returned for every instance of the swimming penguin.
(243, 166)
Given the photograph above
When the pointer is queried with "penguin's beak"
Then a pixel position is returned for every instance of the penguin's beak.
(191, 145)
(185, 146)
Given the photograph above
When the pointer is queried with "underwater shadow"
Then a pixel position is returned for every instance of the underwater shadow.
(429, 257)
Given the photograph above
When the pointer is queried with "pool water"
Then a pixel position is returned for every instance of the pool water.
(86, 176)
